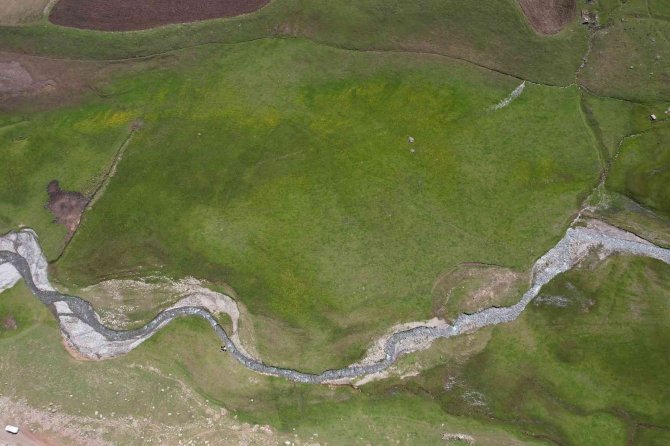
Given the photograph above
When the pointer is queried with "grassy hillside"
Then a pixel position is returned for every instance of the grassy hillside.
(493, 33)
(274, 159)
(641, 170)
(298, 187)
(629, 59)
(583, 365)
(71, 144)
(589, 372)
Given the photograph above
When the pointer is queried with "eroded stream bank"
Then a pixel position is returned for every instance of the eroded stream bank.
(21, 257)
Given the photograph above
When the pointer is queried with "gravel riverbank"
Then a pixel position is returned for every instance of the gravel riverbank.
(21, 257)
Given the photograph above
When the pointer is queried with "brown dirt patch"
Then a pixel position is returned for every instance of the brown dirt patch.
(16, 12)
(36, 82)
(8, 323)
(15, 79)
(66, 206)
(128, 15)
(52, 425)
(548, 16)
(26, 438)
(472, 287)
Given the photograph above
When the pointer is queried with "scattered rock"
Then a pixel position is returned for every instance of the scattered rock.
(589, 18)
(511, 97)
(474, 398)
(468, 439)
(554, 301)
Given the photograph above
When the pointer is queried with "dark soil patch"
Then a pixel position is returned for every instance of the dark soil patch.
(8, 323)
(31, 82)
(549, 16)
(129, 15)
(14, 78)
(66, 206)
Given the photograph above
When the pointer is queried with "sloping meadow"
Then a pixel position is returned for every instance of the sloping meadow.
(491, 33)
(284, 169)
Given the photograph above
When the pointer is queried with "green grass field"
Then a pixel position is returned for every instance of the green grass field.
(73, 145)
(641, 170)
(298, 187)
(147, 387)
(274, 159)
(501, 38)
(591, 372)
(629, 62)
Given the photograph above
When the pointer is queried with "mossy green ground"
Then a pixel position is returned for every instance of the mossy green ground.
(592, 372)
(641, 170)
(147, 383)
(281, 167)
(491, 32)
(298, 187)
(73, 145)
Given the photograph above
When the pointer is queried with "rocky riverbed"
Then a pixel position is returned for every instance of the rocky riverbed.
(21, 257)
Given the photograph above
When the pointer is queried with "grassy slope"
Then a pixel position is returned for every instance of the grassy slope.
(501, 38)
(72, 144)
(616, 119)
(629, 60)
(588, 373)
(298, 188)
(641, 170)
(144, 388)
(633, 197)
(659, 9)
(286, 109)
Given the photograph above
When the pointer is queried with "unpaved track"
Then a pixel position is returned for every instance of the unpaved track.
(21, 257)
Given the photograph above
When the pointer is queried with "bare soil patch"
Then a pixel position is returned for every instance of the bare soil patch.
(35, 82)
(16, 12)
(8, 323)
(548, 16)
(15, 79)
(129, 15)
(52, 425)
(472, 287)
(66, 206)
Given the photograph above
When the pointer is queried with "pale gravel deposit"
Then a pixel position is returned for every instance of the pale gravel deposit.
(188, 292)
(21, 256)
(512, 96)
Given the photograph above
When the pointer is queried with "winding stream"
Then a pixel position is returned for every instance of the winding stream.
(21, 257)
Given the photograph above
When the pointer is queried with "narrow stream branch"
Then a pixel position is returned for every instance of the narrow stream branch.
(21, 257)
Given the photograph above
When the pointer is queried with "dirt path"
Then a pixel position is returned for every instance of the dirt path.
(21, 257)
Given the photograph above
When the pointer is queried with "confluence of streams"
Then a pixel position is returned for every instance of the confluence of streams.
(21, 257)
